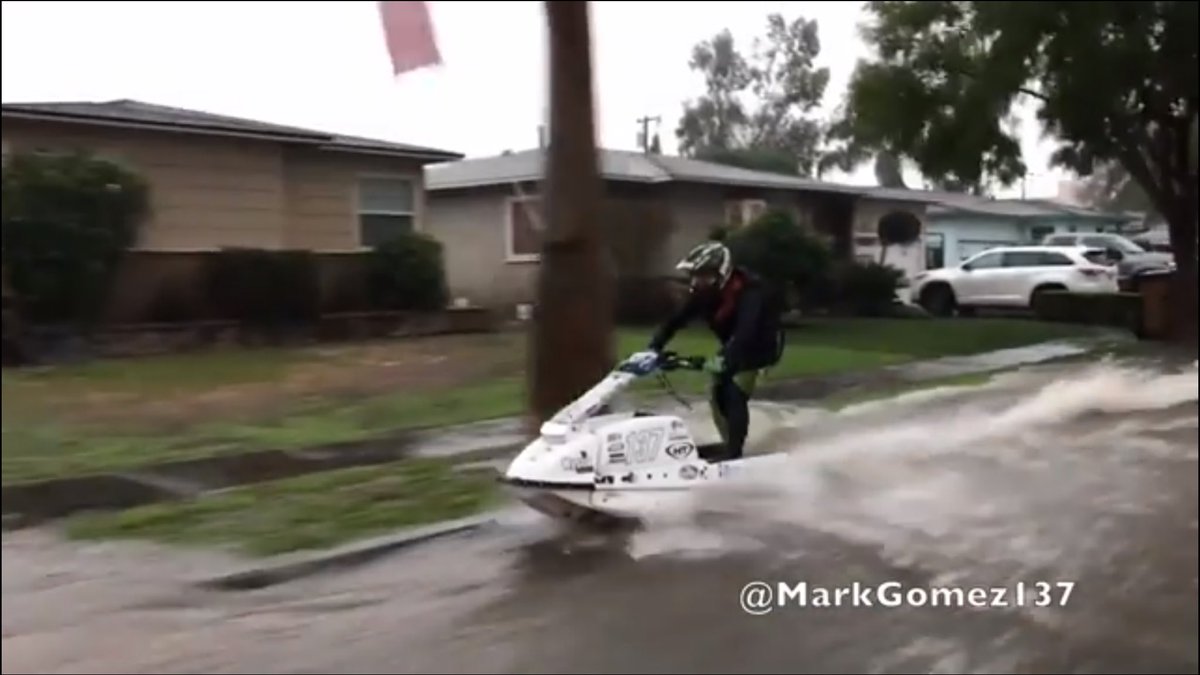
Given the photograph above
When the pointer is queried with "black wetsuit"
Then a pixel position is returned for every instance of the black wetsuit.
(745, 317)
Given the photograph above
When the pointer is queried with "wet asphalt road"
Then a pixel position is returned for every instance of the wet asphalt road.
(1090, 480)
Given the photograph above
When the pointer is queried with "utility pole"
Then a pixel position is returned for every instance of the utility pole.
(572, 338)
(644, 138)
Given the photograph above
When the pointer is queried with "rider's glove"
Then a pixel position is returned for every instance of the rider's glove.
(645, 358)
(715, 365)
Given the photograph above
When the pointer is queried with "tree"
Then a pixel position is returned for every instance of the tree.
(1111, 189)
(790, 258)
(572, 339)
(754, 113)
(889, 171)
(897, 228)
(1115, 82)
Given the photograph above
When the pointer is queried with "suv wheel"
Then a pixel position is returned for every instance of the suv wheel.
(938, 300)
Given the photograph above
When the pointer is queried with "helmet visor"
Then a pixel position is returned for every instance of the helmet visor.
(704, 279)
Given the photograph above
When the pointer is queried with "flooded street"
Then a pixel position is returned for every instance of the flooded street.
(1079, 478)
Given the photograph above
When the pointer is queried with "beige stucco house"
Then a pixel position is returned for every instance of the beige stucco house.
(486, 212)
(222, 181)
(219, 182)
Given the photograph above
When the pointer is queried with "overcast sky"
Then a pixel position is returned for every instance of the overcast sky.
(324, 65)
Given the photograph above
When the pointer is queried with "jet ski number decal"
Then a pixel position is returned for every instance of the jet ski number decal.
(643, 445)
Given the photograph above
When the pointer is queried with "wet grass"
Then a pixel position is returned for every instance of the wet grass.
(312, 512)
(118, 414)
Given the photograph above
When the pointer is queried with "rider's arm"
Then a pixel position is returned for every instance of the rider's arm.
(748, 312)
(679, 320)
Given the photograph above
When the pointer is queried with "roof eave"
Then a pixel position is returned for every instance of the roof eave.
(526, 178)
(321, 140)
(198, 129)
(430, 155)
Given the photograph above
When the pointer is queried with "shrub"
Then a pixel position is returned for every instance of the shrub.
(67, 220)
(407, 273)
(786, 255)
(1121, 310)
(866, 289)
(264, 289)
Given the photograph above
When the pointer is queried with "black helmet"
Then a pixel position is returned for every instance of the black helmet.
(712, 257)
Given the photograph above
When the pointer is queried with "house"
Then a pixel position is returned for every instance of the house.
(224, 181)
(486, 213)
(220, 181)
(962, 225)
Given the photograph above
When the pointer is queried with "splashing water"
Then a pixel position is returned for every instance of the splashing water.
(1021, 470)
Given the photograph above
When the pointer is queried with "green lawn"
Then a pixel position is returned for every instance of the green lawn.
(311, 512)
(121, 413)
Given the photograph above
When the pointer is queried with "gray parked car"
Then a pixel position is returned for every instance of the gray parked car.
(1131, 259)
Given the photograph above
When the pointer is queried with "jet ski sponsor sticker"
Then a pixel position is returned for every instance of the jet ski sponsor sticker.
(576, 464)
(688, 472)
(680, 450)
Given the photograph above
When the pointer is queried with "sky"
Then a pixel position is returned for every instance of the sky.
(324, 65)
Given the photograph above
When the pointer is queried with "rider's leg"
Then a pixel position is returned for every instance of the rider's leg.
(716, 406)
(731, 411)
(747, 380)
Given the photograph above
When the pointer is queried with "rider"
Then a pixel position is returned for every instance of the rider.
(742, 313)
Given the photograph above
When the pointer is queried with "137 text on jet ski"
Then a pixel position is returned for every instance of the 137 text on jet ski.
(761, 597)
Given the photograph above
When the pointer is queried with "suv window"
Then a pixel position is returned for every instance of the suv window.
(1021, 259)
(1052, 259)
(1097, 257)
(1100, 242)
(1035, 259)
(1113, 242)
(985, 262)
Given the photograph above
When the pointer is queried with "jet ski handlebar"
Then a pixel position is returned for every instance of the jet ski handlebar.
(673, 361)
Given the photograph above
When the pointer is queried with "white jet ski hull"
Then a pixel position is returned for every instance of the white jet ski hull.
(614, 467)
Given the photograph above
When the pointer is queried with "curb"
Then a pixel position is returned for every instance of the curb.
(291, 567)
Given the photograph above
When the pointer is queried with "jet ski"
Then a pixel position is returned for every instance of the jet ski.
(593, 466)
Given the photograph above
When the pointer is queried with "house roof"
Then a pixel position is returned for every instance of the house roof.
(1015, 208)
(637, 167)
(138, 114)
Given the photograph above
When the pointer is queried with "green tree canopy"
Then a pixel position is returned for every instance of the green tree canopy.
(1115, 82)
(756, 110)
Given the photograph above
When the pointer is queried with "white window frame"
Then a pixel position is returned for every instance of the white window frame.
(747, 211)
(510, 254)
(359, 212)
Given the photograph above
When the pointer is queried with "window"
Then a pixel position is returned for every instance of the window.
(1100, 257)
(1038, 233)
(524, 228)
(985, 261)
(742, 212)
(1114, 242)
(1050, 259)
(1035, 259)
(1061, 240)
(386, 209)
(935, 251)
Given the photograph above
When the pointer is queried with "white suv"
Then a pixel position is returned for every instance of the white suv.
(1010, 276)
